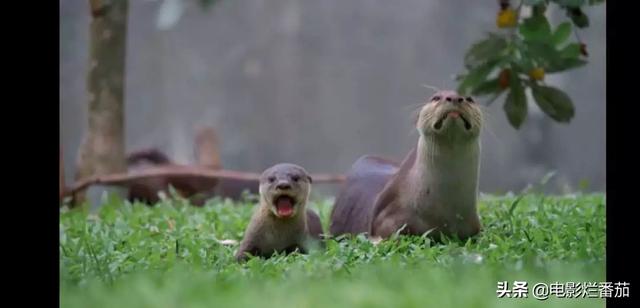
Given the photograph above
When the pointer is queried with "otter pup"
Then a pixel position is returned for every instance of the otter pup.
(281, 223)
(434, 188)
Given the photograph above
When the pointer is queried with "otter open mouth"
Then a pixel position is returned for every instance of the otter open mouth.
(284, 205)
(453, 114)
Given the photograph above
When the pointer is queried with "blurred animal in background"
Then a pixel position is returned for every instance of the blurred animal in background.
(151, 172)
(207, 152)
(197, 189)
(147, 189)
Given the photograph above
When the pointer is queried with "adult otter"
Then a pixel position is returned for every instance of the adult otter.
(434, 188)
(281, 223)
(207, 154)
(146, 190)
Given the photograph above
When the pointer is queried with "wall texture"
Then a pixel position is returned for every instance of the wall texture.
(320, 83)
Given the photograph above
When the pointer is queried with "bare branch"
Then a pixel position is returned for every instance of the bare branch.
(176, 172)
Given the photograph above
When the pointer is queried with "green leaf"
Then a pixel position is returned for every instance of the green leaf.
(539, 9)
(571, 3)
(564, 65)
(542, 53)
(578, 17)
(547, 177)
(536, 28)
(485, 50)
(523, 65)
(552, 60)
(582, 20)
(516, 104)
(554, 102)
(562, 33)
(532, 2)
(514, 204)
(570, 51)
(487, 87)
(476, 76)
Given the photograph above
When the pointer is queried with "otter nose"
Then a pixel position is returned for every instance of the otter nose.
(455, 98)
(283, 186)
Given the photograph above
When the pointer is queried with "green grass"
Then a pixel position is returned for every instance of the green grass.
(169, 256)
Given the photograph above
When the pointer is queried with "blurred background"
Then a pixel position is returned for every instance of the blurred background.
(320, 83)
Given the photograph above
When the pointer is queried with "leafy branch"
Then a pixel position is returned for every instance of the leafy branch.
(518, 56)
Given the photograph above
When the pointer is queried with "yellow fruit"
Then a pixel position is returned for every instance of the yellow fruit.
(507, 18)
(537, 74)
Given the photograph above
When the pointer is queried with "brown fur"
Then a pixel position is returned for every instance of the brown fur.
(267, 232)
(146, 190)
(207, 152)
(366, 178)
(381, 197)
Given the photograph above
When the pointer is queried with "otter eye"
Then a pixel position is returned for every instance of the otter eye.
(272, 179)
(435, 98)
(295, 178)
(469, 99)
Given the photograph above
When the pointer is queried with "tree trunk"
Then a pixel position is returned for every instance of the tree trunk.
(207, 148)
(102, 149)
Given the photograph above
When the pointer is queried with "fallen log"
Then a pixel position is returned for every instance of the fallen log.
(178, 175)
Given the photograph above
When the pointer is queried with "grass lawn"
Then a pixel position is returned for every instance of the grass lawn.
(170, 255)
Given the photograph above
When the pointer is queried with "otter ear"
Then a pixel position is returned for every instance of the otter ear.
(310, 179)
